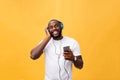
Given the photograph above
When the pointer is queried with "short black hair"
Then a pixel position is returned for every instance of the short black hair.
(54, 20)
(60, 23)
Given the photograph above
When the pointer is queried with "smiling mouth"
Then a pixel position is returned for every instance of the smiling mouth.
(55, 33)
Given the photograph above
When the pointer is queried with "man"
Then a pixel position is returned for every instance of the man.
(60, 52)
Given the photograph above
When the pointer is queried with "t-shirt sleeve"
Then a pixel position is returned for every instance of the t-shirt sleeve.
(76, 49)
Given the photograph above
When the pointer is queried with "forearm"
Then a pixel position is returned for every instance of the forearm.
(78, 63)
(38, 50)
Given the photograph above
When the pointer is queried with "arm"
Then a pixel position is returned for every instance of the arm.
(38, 50)
(78, 63)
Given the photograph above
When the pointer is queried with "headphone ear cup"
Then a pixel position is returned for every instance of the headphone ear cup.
(61, 25)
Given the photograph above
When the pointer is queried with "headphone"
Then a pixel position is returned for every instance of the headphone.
(61, 25)
(60, 77)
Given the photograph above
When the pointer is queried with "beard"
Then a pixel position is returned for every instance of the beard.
(56, 37)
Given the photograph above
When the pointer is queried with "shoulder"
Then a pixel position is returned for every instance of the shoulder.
(69, 39)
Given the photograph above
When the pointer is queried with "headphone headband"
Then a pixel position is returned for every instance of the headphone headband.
(61, 24)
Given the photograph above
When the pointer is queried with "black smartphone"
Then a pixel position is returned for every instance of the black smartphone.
(66, 48)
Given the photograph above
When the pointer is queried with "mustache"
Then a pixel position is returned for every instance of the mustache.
(59, 35)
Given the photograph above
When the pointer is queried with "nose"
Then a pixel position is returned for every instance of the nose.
(54, 27)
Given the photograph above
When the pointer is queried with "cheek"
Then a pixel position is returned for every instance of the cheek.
(58, 29)
(50, 31)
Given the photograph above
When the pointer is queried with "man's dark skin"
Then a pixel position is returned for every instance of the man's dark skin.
(55, 32)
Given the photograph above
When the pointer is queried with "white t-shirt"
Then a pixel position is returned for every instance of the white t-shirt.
(56, 67)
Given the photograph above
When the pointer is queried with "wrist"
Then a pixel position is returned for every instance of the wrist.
(48, 36)
(74, 58)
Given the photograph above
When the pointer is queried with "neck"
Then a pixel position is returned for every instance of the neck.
(58, 38)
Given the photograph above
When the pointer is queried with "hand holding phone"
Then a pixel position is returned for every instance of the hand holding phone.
(68, 55)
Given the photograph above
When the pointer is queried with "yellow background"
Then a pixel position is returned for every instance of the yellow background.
(95, 24)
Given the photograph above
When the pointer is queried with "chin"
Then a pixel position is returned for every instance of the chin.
(56, 36)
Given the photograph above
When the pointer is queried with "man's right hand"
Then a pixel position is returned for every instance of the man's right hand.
(38, 50)
(47, 32)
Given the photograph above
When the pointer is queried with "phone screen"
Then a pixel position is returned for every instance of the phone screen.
(66, 48)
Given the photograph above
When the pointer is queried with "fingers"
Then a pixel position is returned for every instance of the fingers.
(68, 55)
(47, 31)
(66, 52)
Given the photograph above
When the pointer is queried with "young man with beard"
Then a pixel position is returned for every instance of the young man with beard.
(58, 59)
